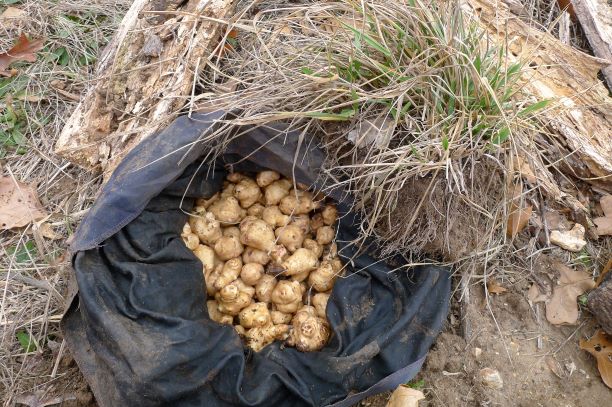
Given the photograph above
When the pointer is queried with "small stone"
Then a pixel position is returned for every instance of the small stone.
(491, 378)
(152, 46)
(572, 240)
(476, 352)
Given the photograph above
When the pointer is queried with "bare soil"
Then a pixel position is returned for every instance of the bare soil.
(507, 332)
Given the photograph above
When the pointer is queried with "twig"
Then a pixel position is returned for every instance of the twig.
(60, 354)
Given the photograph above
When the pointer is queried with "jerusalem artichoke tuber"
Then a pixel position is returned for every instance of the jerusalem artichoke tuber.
(276, 191)
(309, 332)
(258, 337)
(251, 273)
(206, 227)
(256, 314)
(300, 261)
(216, 315)
(322, 279)
(251, 255)
(264, 288)
(257, 234)
(265, 178)
(227, 210)
(247, 192)
(290, 236)
(228, 247)
(230, 272)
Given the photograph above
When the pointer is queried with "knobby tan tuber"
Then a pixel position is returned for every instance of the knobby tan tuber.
(206, 227)
(247, 192)
(277, 191)
(322, 279)
(258, 337)
(216, 315)
(279, 318)
(297, 203)
(228, 247)
(278, 254)
(256, 314)
(267, 248)
(325, 235)
(309, 332)
(191, 239)
(319, 302)
(207, 256)
(290, 236)
(252, 255)
(287, 296)
(232, 231)
(230, 272)
(256, 210)
(234, 297)
(300, 261)
(251, 273)
(264, 288)
(265, 178)
(329, 214)
(313, 246)
(274, 217)
(210, 277)
(257, 234)
(227, 210)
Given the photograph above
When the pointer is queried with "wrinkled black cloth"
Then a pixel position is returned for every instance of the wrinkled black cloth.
(139, 328)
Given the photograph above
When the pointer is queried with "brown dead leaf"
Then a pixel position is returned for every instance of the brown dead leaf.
(534, 295)
(405, 396)
(566, 5)
(23, 50)
(520, 212)
(600, 346)
(606, 205)
(562, 307)
(604, 223)
(605, 271)
(30, 98)
(604, 226)
(493, 287)
(37, 399)
(19, 204)
(554, 367)
(517, 220)
(522, 167)
(12, 13)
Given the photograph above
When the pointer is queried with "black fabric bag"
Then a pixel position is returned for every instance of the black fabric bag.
(139, 329)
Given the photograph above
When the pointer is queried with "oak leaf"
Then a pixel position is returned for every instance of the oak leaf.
(562, 307)
(23, 50)
(493, 287)
(600, 346)
(405, 396)
(19, 204)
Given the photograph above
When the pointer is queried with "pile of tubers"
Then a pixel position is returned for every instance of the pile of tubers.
(269, 259)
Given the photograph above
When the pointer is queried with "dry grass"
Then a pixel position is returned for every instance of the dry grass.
(547, 16)
(32, 266)
(428, 104)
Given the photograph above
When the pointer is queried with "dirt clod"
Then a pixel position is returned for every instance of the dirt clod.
(491, 378)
